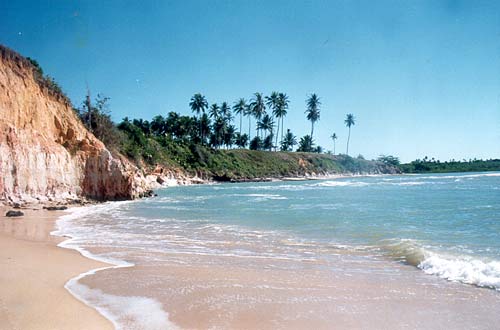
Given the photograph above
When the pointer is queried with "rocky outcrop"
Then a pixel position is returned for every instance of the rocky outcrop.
(45, 151)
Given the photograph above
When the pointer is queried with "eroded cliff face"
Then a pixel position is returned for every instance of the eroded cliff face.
(46, 152)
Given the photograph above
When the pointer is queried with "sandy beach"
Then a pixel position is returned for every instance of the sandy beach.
(34, 272)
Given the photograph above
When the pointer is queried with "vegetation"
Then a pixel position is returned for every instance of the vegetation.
(46, 81)
(349, 121)
(427, 165)
(196, 143)
(334, 138)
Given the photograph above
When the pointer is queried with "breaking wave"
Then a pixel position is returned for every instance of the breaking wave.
(455, 268)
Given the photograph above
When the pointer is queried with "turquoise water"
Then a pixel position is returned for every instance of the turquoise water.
(445, 224)
(383, 232)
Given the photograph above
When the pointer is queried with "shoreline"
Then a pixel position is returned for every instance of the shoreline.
(35, 272)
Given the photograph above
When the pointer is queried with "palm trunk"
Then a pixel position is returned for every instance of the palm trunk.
(249, 129)
(312, 130)
(282, 130)
(201, 129)
(348, 138)
(334, 147)
(277, 133)
(241, 118)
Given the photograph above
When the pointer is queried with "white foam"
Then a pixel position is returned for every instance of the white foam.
(341, 184)
(124, 312)
(463, 269)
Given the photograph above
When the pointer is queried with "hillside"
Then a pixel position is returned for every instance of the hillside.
(47, 153)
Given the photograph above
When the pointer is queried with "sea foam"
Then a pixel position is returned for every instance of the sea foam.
(123, 311)
(463, 269)
(456, 268)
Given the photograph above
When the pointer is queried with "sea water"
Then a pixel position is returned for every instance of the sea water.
(426, 231)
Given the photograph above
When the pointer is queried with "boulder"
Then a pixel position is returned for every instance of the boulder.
(13, 213)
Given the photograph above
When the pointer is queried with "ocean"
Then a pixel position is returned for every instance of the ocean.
(388, 252)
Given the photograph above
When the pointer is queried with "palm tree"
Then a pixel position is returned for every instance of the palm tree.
(280, 113)
(272, 103)
(349, 121)
(306, 144)
(266, 124)
(334, 137)
(313, 111)
(198, 105)
(258, 107)
(249, 113)
(214, 111)
(239, 108)
(225, 112)
(288, 141)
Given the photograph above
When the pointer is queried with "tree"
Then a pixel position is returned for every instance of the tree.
(306, 144)
(267, 144)
(158, 125)
(289, 141)
(225, 112)
(214, 111)
(198, 105)
(334, 137)
(313, 112)
(258, 107)
(256, 143)
(266, 124)
(272, 103)
(349, 121)
(240, 108)
(280, 113)
(97, 119)
(389, 160)
(241, 140)
(249, 114)
(219, 132)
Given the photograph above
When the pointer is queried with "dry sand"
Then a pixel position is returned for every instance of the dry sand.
(33, 274)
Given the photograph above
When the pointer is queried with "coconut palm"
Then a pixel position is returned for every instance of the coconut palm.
(272, 103)
(306, 144)
(266, 124)
(313, 112)
(198, 105)
(334, 137)
(214, 111)
(288, 141)
(239, 108)
(280, 113)
(249, 114)
(258, 107)
(349, 121)
(225, 112)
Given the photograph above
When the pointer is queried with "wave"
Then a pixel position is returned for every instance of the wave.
(455, 268)
(460, 176)
(341, 184)
(124, 312)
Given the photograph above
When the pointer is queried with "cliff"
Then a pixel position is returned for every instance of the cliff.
(45, 151)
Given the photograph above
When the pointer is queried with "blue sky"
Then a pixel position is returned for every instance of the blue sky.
(421, 77)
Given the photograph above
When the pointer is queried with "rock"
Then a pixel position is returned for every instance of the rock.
(45, 150)
(16, 205)
(12, 213)
(55, 208)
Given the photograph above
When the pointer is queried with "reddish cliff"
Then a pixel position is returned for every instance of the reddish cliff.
(45, 151)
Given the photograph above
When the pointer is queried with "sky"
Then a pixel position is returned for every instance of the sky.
(422, 78)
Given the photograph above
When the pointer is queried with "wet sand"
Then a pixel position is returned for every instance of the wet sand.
(33, 274)
(205, 292)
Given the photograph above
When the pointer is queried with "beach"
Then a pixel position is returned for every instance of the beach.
(34, 272)
(317, 254)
